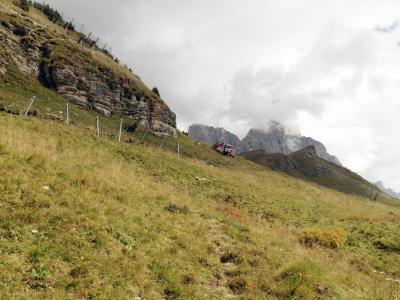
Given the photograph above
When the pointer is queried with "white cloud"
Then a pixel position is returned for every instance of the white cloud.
(332, 68)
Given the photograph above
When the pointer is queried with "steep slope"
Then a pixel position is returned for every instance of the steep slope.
(32, 46)
(83, 217)
(307, 165)
(278, 139)
(86, 217)
(211, 135)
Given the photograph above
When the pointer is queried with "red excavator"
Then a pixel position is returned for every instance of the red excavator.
(224, 149)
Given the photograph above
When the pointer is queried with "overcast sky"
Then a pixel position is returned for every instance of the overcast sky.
(329, 68)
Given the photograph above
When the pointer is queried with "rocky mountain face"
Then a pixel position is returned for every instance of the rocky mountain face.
(212, 135)
(85, 77)
(387, 191)
(276, 139)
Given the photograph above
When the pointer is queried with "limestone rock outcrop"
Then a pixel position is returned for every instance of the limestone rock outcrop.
(276, 139)
(212, 135)
(77, 74)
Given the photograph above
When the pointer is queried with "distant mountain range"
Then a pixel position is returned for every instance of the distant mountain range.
(275, 139)
(387, 191)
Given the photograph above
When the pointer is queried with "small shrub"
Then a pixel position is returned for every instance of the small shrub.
(37, 278)
(52, 14)
(27, 42)
(38, 253)
(20, 31)
(238, 285)
(204, 262)
(171, 293)
(188, 279)
(173, 208)
(330, 237)
(78, 272)
(131, 127)
(156, 91)
(298, 281)
(71, 285)
(112, 83)
(230, 257)
(24, 4)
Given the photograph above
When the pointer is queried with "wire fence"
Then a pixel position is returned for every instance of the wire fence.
(371, 192)
(118, 132)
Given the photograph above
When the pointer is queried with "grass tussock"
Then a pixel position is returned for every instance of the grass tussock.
(300, 281)
(329, 237)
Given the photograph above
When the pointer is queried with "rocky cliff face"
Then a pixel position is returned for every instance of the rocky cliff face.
(78, 74)
(278, 139)
(212, 135)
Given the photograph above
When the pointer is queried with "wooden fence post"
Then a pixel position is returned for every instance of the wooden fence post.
(98, 126)
(67, 117)
(30, 105)
(120, 132)
(144, 136)
(163, 141)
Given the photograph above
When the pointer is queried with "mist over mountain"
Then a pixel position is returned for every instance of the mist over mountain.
(276, 138)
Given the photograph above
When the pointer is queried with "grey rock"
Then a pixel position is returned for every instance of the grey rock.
(320, 149)
(97, 88)
(53, 117)
(211, 135)
(387, 191)
(278, 139)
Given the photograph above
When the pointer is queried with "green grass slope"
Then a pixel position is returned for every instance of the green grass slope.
(314, 169)
(82, 217)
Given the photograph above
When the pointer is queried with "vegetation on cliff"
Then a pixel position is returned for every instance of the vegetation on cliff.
(81, 73)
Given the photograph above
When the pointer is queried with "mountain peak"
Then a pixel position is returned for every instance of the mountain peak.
(212, 135)
(386, 190)
(276, 127)
(276, 139)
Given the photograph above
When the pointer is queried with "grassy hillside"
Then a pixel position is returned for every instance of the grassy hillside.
(82, 217)
(316, 170)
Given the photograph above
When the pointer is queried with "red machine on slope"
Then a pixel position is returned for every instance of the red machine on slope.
(224, 149)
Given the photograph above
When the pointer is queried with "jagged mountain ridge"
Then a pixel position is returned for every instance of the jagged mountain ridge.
(212, 135)
(84, 76)
(387, 191)
(276, 139)
(307, 165)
